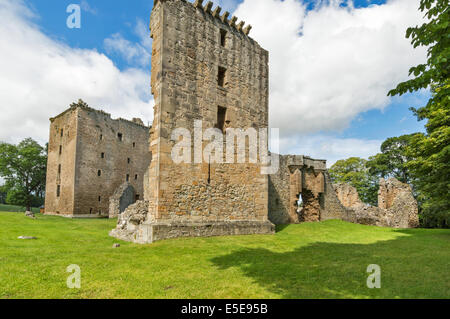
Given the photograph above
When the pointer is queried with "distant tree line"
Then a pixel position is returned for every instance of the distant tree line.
(420, 159)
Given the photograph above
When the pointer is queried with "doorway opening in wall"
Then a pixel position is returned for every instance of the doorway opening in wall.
(300, 202)
(137, 197)
(300, 205)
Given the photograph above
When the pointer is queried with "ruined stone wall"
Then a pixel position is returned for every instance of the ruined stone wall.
(279, 195)
(187, 54)
(397, 207)
(298, 177)
(118, 149)
(123, 197)
(331, 207)
(61, 164)
(348, 195)
(98, 155)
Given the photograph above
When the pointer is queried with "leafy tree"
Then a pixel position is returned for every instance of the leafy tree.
(431, 151)
(354, 171)
(3, 193)
(393, 159)
(23, 166)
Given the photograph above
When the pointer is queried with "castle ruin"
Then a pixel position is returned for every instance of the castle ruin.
(207, 74)
(89, 156)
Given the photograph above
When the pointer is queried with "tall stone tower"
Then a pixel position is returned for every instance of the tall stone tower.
(89, 156)
(206, 68)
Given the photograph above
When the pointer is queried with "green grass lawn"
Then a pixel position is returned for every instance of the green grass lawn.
(313, 260)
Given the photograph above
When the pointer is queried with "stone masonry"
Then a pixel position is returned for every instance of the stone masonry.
(90, 155)
(301, 191)
(123, 197)
(348, 195)
(397, 207)
(207, 73)
(204, 67)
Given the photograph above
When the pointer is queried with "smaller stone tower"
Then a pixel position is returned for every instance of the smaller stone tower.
(89, 156)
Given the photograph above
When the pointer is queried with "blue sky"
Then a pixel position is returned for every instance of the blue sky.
(362, 124)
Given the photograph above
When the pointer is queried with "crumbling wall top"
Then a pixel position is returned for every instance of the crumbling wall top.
(83, 105)
(216, 13)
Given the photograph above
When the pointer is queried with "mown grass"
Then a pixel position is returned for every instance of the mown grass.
(313, 260)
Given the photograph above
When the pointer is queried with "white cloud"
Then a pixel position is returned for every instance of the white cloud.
(40, 77)
(86, 7)
(134, 53)
(332, 63)
(330, 148)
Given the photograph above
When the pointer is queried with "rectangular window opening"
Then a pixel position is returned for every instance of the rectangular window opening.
(99, 173)
(103, 155)
(58, 190)
(129, 160)
(221, 117)
(137, 197)
(128, 177)
(134, 145)
(135, 177)
(223, 37)
(99, 198)
(60, 149)
(221, 76)
(62, 132)
(120, 136)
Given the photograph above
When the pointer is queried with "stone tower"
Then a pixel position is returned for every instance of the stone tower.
(89, 156)
(206, 68)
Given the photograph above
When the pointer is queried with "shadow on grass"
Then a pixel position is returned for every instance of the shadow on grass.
(414, 265)
(280, 228)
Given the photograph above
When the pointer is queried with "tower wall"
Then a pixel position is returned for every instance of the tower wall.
(61, 151)
(204, 68)
(90, 156)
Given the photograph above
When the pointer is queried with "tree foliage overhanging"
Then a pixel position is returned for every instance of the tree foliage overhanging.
(430, 152)
(420, 159)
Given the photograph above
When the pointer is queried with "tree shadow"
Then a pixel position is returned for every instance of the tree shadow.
(414, 265)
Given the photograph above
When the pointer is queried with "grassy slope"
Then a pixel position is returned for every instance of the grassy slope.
(318, 260)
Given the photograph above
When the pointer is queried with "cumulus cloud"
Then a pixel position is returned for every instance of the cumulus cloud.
(135, 53)
(331, 148)
(332, 63)
(40, 77)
